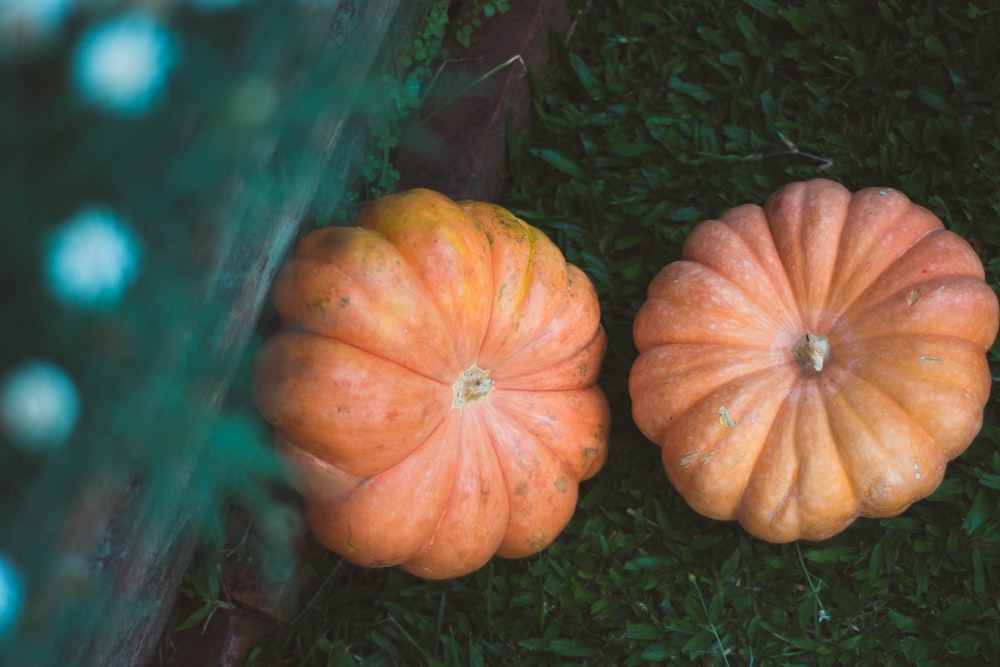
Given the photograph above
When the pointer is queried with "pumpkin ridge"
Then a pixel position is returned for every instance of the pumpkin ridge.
(574, 305)
(749, 291)
(275, 371)
(300, 265)
(859, 298)
(842, 253)
(841, 463)
(453, 501)
(862, 509)
(862, 307)
(900, 408)
(710, 403)
(509, 544)
(505, 475)
(929, 382)
(757, 463)
(763, 312)
(443, 208)
(511, 415)
(375, 354)
(810, 197)
(521, 294)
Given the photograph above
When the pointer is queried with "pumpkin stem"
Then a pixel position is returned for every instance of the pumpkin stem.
(811, 350)
(473, 386)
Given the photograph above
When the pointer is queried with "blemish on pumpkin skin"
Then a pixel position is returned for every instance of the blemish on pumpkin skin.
(561, 484)
(725, 418)
(521, 488)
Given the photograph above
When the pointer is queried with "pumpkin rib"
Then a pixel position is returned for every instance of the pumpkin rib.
(448, 252)
(530, 275)
(318, 267)
(687, 468)
(389, 516)
(760, 322)
(516, 406)
(465, 535)
(900, 313)
(540, 506)
(818, 211)
(866, 507)
(707, 257)
(573, 336)
(807, 462)
(294, 395)
(845, 254)
(899, 407)
(958, 396)
(760, 461)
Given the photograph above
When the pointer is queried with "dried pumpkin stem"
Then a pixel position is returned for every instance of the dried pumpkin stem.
(473, 386)
(811, 350)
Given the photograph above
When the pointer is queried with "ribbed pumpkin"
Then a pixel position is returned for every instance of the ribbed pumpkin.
(434, 384)
(815, 360)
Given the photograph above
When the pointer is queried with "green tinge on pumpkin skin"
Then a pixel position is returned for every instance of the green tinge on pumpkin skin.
(321, 304)
(561, 484)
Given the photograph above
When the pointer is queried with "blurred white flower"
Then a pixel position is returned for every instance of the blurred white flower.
(92, 259)
(122, 64)
(39, 406)
(11, 593)
(27, 22)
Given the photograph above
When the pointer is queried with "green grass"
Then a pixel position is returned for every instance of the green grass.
(659, 115)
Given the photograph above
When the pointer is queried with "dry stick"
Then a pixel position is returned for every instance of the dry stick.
(475, 82)
(825, 162)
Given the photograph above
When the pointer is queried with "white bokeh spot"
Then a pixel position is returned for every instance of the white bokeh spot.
(39, 406)
(92, 259)
(122, 64)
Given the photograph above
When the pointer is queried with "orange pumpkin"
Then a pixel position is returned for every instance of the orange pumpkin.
(815, 360)
(434, 385)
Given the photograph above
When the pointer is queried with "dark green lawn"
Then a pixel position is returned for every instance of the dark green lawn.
(659, 115)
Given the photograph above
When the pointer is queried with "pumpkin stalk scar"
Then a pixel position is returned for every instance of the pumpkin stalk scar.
(473, 386)
(811, 351)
